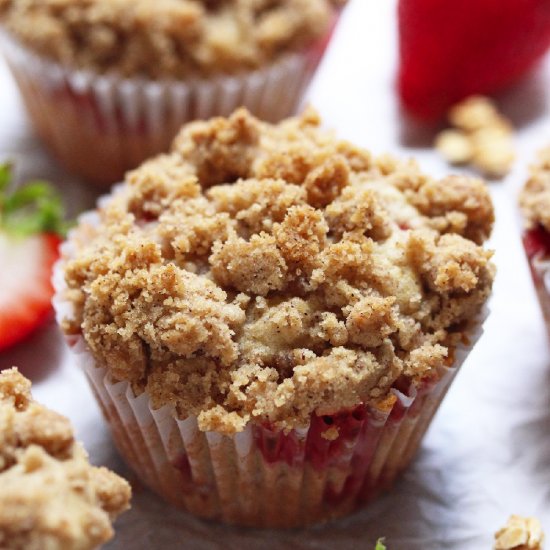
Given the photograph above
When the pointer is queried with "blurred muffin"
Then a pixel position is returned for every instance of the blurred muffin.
(535, 205)
(270, 317)
(108, 83)
(51, 497)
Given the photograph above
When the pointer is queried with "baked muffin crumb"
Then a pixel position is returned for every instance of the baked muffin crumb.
(50, 497)
(274, 271)
(520, 533)
(535, 196)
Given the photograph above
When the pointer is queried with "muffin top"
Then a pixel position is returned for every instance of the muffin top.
(50, 497)
(535, 196)
(265, 272)
(167, 38)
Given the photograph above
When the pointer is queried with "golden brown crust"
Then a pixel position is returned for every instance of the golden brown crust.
(278, 272)
(520, 533)
(50, 497)
(535, 196)
(166, 38)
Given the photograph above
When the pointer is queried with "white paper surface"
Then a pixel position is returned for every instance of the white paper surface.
(487, 453)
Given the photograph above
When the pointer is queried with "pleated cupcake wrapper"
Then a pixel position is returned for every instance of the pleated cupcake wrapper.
(99, 126)
(540, 271)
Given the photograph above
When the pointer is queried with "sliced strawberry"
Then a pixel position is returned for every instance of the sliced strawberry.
(450, 50)
(30, 228)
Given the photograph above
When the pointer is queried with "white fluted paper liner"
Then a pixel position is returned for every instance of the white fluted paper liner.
(100, 126)
(261, 477)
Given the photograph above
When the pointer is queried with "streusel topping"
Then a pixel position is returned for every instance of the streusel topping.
(262, 272)
(167, 38)
(535, 197)
(50, 496)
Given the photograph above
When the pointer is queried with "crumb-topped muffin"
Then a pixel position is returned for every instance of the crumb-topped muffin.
(520, 533)
(270, 275)
(166, 38)
(50, 497)
(119, 77)
(535, 206)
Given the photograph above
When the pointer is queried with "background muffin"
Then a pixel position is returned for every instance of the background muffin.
(269, 315)
(535, 205)
(51, 496)
(108, 83)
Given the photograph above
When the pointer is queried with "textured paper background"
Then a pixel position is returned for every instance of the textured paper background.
(487, 453)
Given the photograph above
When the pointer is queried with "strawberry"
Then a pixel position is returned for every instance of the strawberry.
(450, 50)
(31, 227)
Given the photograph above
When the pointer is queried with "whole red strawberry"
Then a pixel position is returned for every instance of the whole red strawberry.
(452, 49)
(31, 225)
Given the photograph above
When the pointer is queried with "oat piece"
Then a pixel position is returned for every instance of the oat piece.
(481, 137)
(263, 272)
(51, 498)
(520, 533)
(167, 38)
(535, 196)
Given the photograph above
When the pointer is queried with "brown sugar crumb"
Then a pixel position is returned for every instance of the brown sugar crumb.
(275, 271)
(535, 196)
(167, 38)
(481, 137)
(51, 497)
(520, 533)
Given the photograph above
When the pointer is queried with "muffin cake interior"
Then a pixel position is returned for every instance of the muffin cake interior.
(166, 38)
(50, 495)
(264, 273)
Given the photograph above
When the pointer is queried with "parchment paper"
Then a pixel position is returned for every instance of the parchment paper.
(487, 453)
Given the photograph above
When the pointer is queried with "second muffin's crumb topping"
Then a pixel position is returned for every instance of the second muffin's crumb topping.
(50, 496)
(266, 272)
(535, 196)
(167, 38)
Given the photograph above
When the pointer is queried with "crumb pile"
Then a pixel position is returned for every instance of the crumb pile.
(481, 137)
(50, 496)
(166, 38)
(262, 272)
(535, 196)
(520, 534)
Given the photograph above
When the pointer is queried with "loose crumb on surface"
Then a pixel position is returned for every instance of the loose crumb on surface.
(51, 498)
(481, 136)
(265, 272)
(535, 196)
(520, 533)
(167, 38)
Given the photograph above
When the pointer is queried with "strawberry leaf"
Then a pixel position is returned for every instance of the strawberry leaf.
(380, 545)
(31, 209)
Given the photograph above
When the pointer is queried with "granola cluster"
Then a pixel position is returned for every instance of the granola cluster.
(265, 272)
(535, 196)
(50, 496)
(520, 533)
(481, 137)
(167, 38)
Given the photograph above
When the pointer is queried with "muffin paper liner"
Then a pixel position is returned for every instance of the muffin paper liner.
(262, 477)
(539, 264)
(100, 126)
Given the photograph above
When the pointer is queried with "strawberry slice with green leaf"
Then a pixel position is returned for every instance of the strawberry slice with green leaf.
(31, 229)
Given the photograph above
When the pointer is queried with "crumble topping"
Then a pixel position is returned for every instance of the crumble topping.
(51, 497)
(520, 533)
(167, 38)
(481, 137)
(535, 196)
(265, 272)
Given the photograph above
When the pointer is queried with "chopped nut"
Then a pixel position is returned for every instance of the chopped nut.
(482, 138)
(455, 146)
(520, 534)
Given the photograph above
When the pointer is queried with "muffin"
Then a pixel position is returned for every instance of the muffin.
(269, 317)
(535, 205)
(51, 497)
(109, 83)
